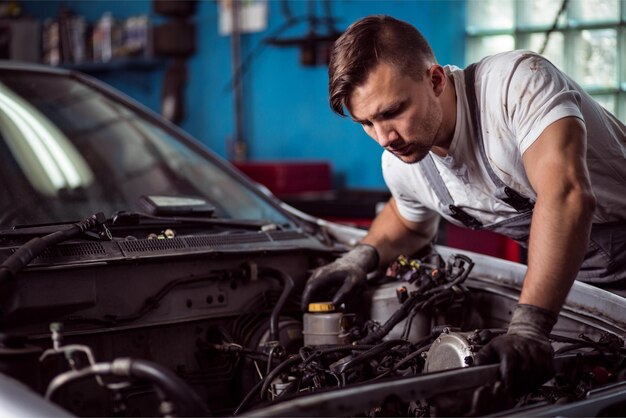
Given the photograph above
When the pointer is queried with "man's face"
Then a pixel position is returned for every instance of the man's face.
(401, 114)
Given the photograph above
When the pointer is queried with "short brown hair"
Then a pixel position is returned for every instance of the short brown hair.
(367, 42)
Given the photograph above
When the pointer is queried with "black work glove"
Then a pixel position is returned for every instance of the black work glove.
(524, 352)
(348, 272)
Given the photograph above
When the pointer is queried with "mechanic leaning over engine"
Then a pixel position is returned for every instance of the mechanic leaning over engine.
(509, 144)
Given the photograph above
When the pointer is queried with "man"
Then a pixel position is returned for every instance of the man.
(509, 144)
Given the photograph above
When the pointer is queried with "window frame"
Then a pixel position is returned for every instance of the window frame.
(570, 29)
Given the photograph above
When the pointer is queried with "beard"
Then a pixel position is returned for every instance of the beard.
(427, 129)
(415, 154)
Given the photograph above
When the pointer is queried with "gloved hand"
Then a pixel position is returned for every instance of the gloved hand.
(524, 352)
(348, 271)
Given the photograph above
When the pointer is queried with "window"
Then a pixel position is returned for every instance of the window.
(587, 42)
(68, 149)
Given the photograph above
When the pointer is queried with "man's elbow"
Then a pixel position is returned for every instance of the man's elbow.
(584, 200)
(590, 203)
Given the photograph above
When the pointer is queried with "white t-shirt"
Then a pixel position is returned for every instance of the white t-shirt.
(519, 94)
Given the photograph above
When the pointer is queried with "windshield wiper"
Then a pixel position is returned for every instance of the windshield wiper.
(21, 231)
(139, 218)
(29, 251)
(123, 218)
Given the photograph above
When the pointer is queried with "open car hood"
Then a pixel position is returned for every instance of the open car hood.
(200, 317)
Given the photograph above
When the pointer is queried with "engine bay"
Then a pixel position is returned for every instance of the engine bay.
(223, 334)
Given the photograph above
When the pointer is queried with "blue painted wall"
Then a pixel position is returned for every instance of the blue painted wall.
(286, 113)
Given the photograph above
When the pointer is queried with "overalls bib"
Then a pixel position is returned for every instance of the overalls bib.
(605, 260)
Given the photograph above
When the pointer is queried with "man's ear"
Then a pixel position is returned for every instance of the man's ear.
(438, 78)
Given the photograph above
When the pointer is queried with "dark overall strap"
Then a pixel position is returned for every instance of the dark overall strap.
(443, 194)
(503, 192)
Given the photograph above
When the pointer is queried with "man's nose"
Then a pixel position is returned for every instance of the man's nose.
(385, 134)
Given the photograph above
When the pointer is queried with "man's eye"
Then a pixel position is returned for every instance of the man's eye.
(390, 114)
(366, 123)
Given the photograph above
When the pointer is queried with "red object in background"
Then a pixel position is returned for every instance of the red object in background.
(289, 178)
(307, 185)
(483, 242)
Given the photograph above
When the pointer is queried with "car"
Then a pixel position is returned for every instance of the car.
(143, 275)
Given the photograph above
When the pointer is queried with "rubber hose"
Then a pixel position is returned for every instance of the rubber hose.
(288, 286)
(186, 399)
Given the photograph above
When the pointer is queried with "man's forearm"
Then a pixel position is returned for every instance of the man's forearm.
(558, 241)
(391, 235)
(556, 167)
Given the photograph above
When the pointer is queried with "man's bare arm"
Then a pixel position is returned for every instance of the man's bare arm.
(556, 167)
(393, 235)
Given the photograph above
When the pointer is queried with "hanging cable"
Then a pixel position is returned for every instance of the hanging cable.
(260, 47)
(554, 26)
(286, 10)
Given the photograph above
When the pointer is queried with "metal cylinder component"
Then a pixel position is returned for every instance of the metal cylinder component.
(386, 300)
(451, 350)
(324, 327)
(280, 385)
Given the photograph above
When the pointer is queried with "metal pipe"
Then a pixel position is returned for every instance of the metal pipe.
(238, 145)
(166, 382)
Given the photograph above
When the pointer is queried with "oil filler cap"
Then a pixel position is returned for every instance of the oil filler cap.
(321, 307)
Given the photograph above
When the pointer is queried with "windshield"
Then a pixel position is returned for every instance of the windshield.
(68, 150)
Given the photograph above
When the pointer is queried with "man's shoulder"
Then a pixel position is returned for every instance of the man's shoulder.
(501, 58)
(500, 64)
(519, 63)
(507, 75)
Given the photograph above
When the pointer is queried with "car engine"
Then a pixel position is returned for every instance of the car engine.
(222, 334)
